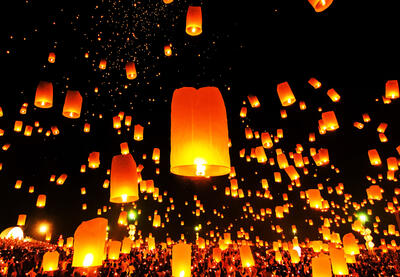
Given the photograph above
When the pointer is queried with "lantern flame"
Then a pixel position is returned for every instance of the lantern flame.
(88, 260)
(200, 166)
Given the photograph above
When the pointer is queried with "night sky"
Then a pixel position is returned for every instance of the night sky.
(245, 48)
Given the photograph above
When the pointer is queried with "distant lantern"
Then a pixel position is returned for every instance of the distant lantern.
(374, 157)
(333, 95)
(330, 121)
(253, 100)
(52, 57)
(167, 50)
(44, 95)
(131, 70)
(94, 159)
(314, 83)
(41, 201)
(124, 179)
(392, 89)
(123, 218)
(181, 260)
(350, 244)
(138, 132)
(199, 142)
(89, 243)
(50, 261)
(126, 246)
(194, 21)
(21, 220)
(246, 256)
(73, 104)
(320, 5)
(285, 94)
(114, 248)
(217, 254)
(103, 64)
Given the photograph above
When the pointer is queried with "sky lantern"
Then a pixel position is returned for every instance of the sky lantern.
(217, 254)
(374, 192)
(320, 5)
(321, 266)
(315, 198)
(73, 104)
(94, 159)
(374, 158)
(194, 21)
(333, 95)
(167, 50)
(116, 122)
(243, 112)
(50, 261)
(70, 242)
(314, 83)
(246, 256)
(126, 245)
(392, 89)
(181, 260)
(124, 179)
(131, 71)
(338, 260)
(114, 247)
(199, 143)
(138, 132)
(124, 148)
(330, 121)
(44, 95)
(52, 57)
(89, 243)
(123, 218)
(294, 256)
(41, 201)
(350, 244)
(21, 220)
(260, 154)
(151, 243)
(285, 94)
(103, 64)
(292, 173)
(253, 100)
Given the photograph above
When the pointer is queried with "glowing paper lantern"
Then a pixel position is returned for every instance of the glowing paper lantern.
(73, 104)
(321, 266)
(89, 243)
(350, 244)
(194, 21)
(181, 260)
(374, 157)
(41, 201)
(314, 83)
(131, 70)
(94, 159)
(44, 95)
(392, 89)
(217, 254)
(285, 94)
(103, 64)
(339, 265)
(253, 100)
(114, 248)
(124, 179)
(246, 256)
(50, 261)
(333, 95)
(320, 5)
(167, 50)
(21, 220)
(138, 132)
(199, 142)
(52, 57)
(126, 246)
(330, 121)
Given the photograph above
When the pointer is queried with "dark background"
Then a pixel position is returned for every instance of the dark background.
(246, 48)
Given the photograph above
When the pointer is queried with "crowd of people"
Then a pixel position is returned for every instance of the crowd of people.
(24, 258)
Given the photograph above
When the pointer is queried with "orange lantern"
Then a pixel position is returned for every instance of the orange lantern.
(138, 132)
(194, 21)
(333, 95)
(44, 95)
(330, 121)
(246, 256)
(285, 94)
(21, 220)
(41, 201)
(199, 143)
(392, 89)
(131, 70)
(72, 104)
(103, 64)
(320, 5)
(181, 260)
(50, 261)
(167, 50)
(114, 248)
(89, 243)
(321, 266)
(374, 158)
(52, 57)
(94, 159)
(124, 179)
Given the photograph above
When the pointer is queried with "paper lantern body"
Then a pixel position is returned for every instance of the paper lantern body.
(50, 261)
(21, 220)
(194, 21)
(320, 5)
(73, 104)
(339, 265)
(181, 260)
(350, 244)
(285, 94)
(199, 133)
(126, 246)
(89, 243)
(246, 256)
(114, 248)
(124, 179)
(44, 95)
(131, 71)
(321, 266)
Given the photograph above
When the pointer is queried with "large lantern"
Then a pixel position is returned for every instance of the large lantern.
(199, 133)
(194, 21)
(72, 104)
(89, 243)
(114, 248)
(339, 265)
(321, 266)
(285, 94)
(124, 179)
(246, 256)
(44, 95)
(320, 5)
(350, 244)
(181, 260)
(50, 261)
